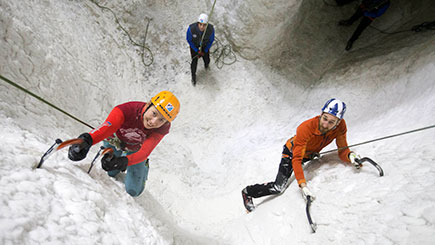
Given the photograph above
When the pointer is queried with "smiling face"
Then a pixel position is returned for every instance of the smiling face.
(327, 122)
(152, 118)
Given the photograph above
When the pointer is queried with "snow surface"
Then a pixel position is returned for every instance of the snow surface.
(231, 127)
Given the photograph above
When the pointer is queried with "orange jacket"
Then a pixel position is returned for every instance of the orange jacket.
(308, 140)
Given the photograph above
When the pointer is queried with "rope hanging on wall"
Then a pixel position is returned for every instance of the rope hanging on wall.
(43, 100)
(142, 46)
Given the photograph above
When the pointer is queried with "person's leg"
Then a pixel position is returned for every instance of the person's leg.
(276, 187)
(206, 59)
(358, 14)
(193, 64)
(365, 22)
(135, 178)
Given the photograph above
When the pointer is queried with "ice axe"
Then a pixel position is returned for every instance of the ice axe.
(57, 146)
(101, 152)
(366, 159)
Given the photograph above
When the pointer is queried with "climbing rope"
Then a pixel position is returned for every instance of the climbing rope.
(222, 54)
(209, 17)
(382, 138)
(142, 46)
(417, 28)
(41, 99)
(424, 27)
(84, 123)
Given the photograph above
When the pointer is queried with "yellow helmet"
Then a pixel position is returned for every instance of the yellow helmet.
(167, 104)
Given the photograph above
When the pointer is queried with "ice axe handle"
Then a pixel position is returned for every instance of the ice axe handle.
(310, 219)
(50, 151)
(101, 152)
(366, 159)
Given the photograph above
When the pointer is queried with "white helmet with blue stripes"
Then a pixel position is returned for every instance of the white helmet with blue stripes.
(203, 18)
(335, 107)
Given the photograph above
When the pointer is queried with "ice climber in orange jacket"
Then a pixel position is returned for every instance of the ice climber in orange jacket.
(311, 137)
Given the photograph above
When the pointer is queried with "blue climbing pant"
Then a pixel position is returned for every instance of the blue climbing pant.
(136, 175)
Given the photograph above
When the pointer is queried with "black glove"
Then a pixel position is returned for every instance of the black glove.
(78, 152)
(110, 162)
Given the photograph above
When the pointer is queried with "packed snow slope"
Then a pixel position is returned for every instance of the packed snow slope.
(231, 128)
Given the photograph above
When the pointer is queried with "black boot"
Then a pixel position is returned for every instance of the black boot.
(247, 201)
(193, 79)
(349, 45)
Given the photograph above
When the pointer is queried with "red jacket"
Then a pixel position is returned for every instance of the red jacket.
(308, 140)
(125, 121)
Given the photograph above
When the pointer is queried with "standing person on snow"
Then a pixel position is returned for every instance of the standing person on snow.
(311, 137)
(199, 46)
(132, 130)
(369, 10)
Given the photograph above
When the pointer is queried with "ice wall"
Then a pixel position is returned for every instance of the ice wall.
(233, 124)
(305, 35)
(298, 39)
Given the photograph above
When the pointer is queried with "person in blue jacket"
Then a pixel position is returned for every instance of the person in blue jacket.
(368, 10)
(200, 43)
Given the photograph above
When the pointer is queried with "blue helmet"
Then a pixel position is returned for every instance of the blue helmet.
(335, 107)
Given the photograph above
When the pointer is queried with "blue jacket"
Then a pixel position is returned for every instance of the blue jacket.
(194, 36)
(374, 8)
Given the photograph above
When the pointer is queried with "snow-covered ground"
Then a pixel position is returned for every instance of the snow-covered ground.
(231, 127)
